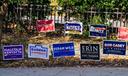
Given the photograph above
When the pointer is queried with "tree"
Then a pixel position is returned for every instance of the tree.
(7, 6)
(100, 4)
(3, 10)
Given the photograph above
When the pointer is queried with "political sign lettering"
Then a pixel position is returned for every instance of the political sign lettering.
(73, 27)
(38, 51)
(13, 52)
(98, 31)
(90, 52)
(45, 25)
(63, 49)
(114, 47)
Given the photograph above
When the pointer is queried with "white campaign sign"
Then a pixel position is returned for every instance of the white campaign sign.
(38, 51)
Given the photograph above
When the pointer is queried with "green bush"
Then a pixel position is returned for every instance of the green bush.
(85, 34)
(96, 20)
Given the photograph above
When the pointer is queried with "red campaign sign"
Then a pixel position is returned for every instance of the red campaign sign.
(123, 33)
(45, 25)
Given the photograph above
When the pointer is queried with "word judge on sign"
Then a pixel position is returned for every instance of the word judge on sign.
(90, 51)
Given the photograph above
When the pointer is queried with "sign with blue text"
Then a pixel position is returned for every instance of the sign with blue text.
(13, 52)
(90, 51)
(73, 27)
(38, 51)
(98, 31)
(63, 49)
(114, 47)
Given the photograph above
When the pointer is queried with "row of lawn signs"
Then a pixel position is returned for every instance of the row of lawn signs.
(99, 30)
(71, 28)
(49, 26)
(87, 51)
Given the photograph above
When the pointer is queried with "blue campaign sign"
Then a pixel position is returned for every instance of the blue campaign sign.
(73, 27)
(38, 51)
(98, 31)
(114, 47)
(13, 52)
(63, 49)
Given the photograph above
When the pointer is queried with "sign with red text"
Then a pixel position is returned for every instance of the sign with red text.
(99, 30)
(45, 25)
(38, 51)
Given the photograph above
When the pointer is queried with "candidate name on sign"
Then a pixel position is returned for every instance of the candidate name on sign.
(45, 25)
(13, 52)
(63, 49)
(114, 47)
(73, 27)
(98, 31)
(90, 51)
(38, 51)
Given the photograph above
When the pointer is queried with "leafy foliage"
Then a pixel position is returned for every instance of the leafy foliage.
(80, 5)
(96, 20)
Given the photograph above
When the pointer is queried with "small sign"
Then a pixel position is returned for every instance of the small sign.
(45, 25)
(73, 27)
(98, 31)
(114, 47)
(38, 51)
(63, 49)
(123, 33)
(90, 52)
(13, 52)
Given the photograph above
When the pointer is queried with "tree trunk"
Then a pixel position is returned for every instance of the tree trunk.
(3, 11)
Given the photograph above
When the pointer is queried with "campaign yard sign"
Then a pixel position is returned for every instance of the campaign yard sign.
(38, 51)
(73, 27)
(63, 49)
(45, 25)
(90, 52)
(123, 33)
(98, 30)
(114, 47)
(13, 52)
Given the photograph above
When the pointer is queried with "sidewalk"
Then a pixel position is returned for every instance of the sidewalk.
(64, 71)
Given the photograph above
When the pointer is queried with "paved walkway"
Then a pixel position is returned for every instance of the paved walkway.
(64, 71)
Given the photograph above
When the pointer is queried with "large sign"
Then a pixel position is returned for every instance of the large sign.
(38, 51)
(114, 47)
(13, 52)
(123, 33)
(73, 27)
(63, 49)
(90, 51)
(98, 31)
(45, 25)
